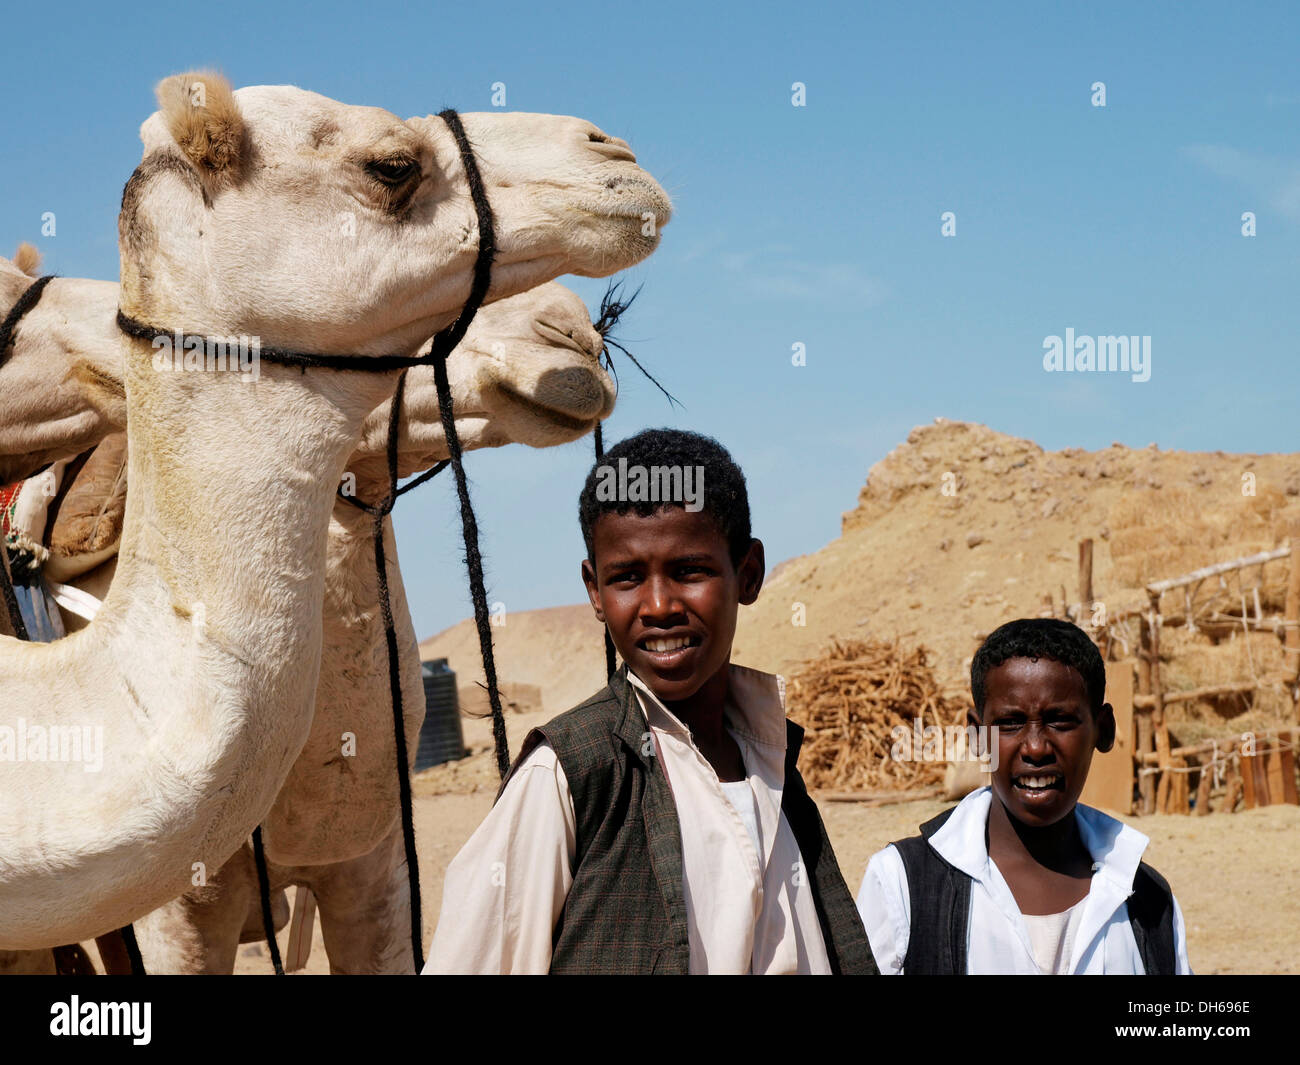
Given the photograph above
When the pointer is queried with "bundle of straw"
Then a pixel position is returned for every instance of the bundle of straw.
(849, 701)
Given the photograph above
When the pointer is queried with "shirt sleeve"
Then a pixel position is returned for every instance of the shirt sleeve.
(1182, 966)
(505, 890)
(885, 906)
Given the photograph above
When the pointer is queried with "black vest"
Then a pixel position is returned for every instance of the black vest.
(940, 899)
(626, 912)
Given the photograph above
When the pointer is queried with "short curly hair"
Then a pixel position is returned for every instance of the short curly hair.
(1051, 638)
(725, 497)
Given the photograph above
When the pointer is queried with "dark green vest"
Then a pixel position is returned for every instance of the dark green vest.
(626, 912)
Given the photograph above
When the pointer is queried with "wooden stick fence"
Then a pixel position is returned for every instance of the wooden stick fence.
(1162, 771)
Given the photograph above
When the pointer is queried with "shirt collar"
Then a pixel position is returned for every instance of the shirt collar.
(960, 840)
(755, 706)
(1115, 847)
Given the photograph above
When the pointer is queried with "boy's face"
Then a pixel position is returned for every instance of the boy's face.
(1046, 736)
(666, 587)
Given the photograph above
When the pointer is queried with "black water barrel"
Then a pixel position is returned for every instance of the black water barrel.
(441, 739)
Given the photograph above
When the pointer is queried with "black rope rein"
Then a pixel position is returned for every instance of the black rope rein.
(264, 897)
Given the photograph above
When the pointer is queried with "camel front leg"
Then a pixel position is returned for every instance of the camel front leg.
(200, 932)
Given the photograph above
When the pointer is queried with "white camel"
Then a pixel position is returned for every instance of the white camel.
(528, 372)
(202, 665)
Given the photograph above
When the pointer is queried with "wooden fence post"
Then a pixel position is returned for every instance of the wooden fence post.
(1203, 789)
(1085, 583)
(1291, 662)
(1158, 725)
(1145, 735)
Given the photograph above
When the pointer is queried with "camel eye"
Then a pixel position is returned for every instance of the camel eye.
(393, 172)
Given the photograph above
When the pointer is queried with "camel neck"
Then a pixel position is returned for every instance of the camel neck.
(330, 805)
(205, 654)
(230, 506)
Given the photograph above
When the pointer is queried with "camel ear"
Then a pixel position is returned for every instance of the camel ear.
(200, 113)
(28, 259)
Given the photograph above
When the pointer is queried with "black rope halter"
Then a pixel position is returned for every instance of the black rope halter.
(443, 344)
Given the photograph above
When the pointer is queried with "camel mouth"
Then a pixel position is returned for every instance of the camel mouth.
(652, 198)
(635, 214)
(551, 414)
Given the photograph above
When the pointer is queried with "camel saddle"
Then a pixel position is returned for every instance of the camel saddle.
(59, 525)
(69, 518)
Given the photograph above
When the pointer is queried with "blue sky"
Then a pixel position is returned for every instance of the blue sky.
(817, 225)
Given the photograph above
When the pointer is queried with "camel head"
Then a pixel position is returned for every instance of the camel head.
(320, 226)
(527, 372)
(61, 379)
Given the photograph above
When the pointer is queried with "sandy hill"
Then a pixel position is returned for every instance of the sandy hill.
(560, 650)
(962, 528)
(957, 530)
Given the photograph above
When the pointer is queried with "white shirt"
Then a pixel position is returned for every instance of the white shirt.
(1051, 937)
(749, 901)
(999, 939)
(741, 796)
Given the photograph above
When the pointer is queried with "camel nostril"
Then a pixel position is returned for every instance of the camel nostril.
(610, 147)
(586, 343)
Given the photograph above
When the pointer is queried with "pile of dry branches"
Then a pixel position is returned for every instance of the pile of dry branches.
(850, 699)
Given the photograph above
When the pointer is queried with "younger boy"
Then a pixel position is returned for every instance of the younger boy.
(1019, 878)
(661, 826)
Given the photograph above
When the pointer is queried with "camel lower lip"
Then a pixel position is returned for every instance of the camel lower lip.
(568, 421)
